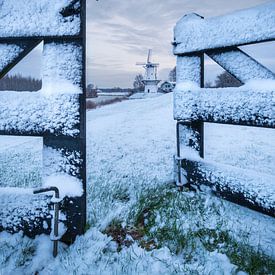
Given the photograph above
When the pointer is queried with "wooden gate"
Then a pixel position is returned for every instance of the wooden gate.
(248, 105)
(56, 113)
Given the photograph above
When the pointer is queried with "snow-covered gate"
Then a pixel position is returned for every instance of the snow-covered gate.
(56, 112)
(253, 104)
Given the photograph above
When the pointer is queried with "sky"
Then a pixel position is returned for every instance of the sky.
(120, 32)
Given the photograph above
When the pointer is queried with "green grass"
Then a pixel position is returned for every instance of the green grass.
(181, 221)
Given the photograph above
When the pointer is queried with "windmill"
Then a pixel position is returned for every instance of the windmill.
(150, 78)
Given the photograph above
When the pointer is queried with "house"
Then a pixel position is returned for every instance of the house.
(167, 86)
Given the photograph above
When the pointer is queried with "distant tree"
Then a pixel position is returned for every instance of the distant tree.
(138, 84)
(117, 89)
(225, 79)
(173, 75)
(91, 91)
(90, 86)
(19, 83)
(208, 84)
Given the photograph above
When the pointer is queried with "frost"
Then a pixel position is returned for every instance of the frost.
(257, 84)
(130, 149)
(62, 69)
(255, 186)
(36, 113)
(256, 107)
(18, 207)
(67, 185)
(61, 161)
(188, 69)
(192, 33)
(8, 52)
(186, 86)
(36, 18)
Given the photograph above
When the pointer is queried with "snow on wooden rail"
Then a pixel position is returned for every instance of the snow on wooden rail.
(21, 211)
(239, 106)
(39, 18)
(193, 33)
(248, 188)
(29, 113)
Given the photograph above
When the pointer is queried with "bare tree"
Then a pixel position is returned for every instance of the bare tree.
(225, 79)
(173, 75)
(91, 91)
(138, 83)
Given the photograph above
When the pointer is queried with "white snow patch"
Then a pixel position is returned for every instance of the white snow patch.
(8, 52)
(67, 185)
(36, 18)
(187, 86)
(57, 86)
(192, 33)
(34, 112)
(261, 84)
(224, 104)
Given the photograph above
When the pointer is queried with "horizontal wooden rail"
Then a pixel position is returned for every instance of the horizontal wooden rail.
(30, 113)
(20, 210)
(194, 34)
(244, 187)
(236, 106)
(40, 19)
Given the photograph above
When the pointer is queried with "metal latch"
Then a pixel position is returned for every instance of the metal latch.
(56, 213)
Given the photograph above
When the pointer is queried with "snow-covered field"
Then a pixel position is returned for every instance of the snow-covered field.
(138, 223)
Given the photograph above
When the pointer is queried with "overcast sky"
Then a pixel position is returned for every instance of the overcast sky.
(120, 32)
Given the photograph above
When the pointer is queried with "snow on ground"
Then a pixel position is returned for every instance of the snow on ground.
(138, 139)
(130, 164)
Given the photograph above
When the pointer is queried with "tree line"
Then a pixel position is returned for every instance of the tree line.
(19, 83)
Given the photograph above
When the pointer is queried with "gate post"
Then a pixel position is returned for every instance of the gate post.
(190, 71)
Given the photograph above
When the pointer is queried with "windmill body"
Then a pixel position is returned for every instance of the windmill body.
(150, 78)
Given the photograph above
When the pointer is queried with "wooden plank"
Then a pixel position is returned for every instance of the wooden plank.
(247, 188)
(190, 69)
(33, 114)
(240, 65)
(193, 33)
(41, 18)
(20, 210)
(237, 106)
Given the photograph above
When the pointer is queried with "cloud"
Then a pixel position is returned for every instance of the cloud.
(119, 33)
